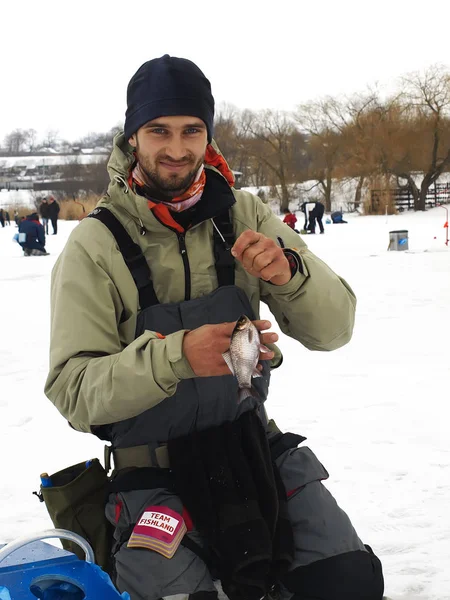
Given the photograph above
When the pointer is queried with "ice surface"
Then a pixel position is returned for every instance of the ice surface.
(375, 412)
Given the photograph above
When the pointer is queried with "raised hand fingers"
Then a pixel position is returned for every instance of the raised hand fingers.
(244, 241)
(262, 257)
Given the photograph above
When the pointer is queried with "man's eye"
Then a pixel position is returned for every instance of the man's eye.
(158, 131)
(192, 130)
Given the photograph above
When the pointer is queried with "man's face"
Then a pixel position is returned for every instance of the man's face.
(170, 151)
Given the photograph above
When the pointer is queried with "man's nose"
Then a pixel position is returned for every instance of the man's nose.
(176, 148)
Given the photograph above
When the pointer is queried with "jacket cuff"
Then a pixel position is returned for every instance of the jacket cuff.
(294, 260)
(282, 290)
(179, 363)
(299, 276)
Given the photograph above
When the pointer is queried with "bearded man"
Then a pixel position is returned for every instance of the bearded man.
(145, 297)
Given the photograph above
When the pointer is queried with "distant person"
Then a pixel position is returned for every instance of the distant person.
(16, 217)
(53, 211)
(44, 212)
(7, 218)
(2, 217)
(337, 217)
(306, 209)
(290, 219)
(316, 215)
(32, 236)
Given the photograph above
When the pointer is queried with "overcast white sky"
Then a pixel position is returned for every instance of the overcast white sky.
(66, 65)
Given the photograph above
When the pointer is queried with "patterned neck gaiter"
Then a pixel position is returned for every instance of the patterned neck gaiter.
(190, 197)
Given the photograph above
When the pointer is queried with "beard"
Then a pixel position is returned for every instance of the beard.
(172, 185)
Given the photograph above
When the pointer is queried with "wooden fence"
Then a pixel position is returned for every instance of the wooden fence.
(404, 200)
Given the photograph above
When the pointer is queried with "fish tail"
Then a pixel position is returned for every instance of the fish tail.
(248, 392)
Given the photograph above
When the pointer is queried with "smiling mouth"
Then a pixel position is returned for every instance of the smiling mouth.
(173, 166)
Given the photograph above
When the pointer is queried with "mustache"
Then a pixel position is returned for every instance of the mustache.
(180, 161)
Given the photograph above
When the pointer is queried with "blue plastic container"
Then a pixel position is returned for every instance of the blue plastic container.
(38, 569)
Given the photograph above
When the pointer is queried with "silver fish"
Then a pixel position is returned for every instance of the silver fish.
(243, 356)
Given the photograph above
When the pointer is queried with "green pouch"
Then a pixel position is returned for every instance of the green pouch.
(76, 501)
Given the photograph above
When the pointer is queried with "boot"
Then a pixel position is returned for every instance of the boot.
(36, 252)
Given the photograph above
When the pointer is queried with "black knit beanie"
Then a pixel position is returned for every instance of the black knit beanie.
(168, 86)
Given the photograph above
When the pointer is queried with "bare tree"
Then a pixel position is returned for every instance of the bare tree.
(271, 143)
(50, 138)
(325, 142)
(15, 142)
(355, 118)
(96, 139)
(31, 139)
(428, 95)
(226, 133)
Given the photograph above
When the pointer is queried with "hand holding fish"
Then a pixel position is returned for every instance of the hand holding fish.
(262, 257)
(204, 347)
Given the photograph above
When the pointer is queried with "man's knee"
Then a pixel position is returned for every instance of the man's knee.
(351, 576)
(147, 575)
(321, 528)
(330, 562)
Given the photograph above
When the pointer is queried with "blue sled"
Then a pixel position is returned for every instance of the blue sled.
(39, 570)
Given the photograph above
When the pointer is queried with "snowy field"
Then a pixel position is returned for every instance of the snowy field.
(375, 412)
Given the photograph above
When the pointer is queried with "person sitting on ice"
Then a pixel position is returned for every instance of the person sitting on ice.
(32, 236)
(337, 218)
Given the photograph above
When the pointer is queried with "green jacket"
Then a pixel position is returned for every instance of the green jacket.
(99, 373)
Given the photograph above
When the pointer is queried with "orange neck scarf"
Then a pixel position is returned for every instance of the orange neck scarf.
(191, 196)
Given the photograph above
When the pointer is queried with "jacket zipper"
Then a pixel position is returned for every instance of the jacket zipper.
(187, 270)
(184, 256)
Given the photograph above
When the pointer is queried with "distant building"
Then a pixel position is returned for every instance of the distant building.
(30, 170)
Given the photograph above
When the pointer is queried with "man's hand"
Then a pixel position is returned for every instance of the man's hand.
(204, 346)
(262, 257)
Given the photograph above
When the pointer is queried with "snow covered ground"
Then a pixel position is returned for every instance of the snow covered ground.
(375, 412)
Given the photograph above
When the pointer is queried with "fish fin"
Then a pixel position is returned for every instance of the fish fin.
(256, 373)
(227, 359)
(248, 392)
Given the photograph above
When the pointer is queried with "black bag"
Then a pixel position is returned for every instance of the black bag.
(226, 479)
(76, 501)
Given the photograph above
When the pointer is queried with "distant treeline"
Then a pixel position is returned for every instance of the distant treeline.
(363, 136)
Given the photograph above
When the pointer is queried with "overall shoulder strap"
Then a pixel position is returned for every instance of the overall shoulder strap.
(132, 255)
(223, 240)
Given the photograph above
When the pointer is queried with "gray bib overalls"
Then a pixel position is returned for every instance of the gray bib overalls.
(323, 534)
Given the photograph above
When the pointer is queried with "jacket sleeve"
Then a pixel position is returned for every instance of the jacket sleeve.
(95, 378)
(316, 307)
